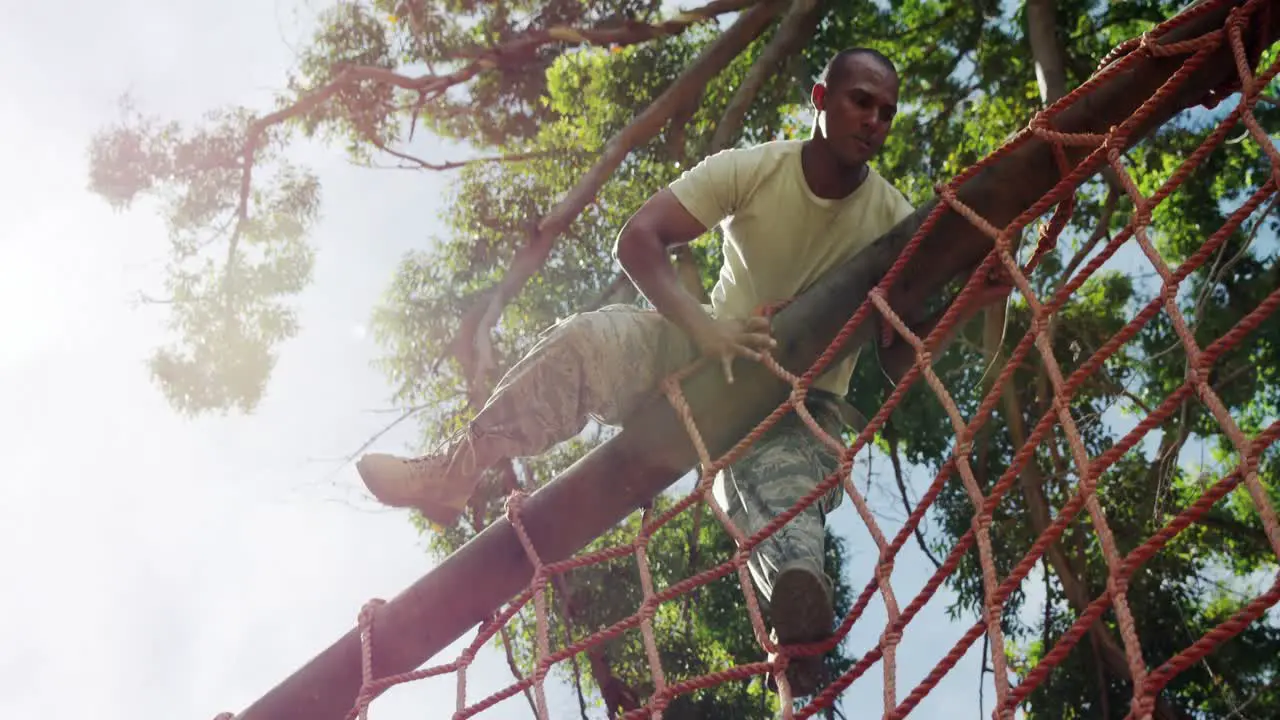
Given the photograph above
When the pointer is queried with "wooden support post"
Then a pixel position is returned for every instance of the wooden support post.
(653, 451)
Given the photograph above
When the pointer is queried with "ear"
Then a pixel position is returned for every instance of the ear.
(818, 96)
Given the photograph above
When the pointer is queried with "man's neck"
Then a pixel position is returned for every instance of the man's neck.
(826, 177)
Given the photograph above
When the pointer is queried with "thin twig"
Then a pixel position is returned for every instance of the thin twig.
(1103, 230)
(1216, 273)
(891, 437)
(420, 164)
(404, 415)
(559, 584)
(983, 669)
(515, 669)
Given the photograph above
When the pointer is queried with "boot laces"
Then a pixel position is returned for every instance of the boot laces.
(445, 459)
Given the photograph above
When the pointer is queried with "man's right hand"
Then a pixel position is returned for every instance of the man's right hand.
(723, 339)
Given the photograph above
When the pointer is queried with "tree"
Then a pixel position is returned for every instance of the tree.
(578, 111)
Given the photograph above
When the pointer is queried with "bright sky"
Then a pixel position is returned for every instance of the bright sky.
(170, 568)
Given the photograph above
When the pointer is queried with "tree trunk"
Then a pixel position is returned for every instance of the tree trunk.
(1046, 50)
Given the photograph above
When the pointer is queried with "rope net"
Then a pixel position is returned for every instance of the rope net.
(1146, 682)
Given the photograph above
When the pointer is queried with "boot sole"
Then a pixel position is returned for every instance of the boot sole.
(801, 612)
(801, 608)
(436, 513)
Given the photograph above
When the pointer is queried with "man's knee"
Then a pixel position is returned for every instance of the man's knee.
(609, 319)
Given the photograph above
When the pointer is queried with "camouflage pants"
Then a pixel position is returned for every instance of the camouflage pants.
(601, 364)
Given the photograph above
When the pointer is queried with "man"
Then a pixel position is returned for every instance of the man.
(790, 210)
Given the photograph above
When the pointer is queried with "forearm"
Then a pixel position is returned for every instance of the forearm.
(643, 256)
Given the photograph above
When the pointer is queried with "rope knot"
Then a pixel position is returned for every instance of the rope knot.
(1149, 44)
(368, 610)
(515, 503)
(887, 558)
(798, 395)
(648, 609)
(1060, 405)
(1235, 18)
(1194, 374)
(465, 657)
(1119, 585)
(1040, 120)
(1143, 706)
(1142, 215)
(847, 456)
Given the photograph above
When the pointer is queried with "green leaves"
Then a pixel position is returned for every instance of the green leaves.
(234, 255)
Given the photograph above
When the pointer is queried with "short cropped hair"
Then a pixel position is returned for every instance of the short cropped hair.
(835, 70)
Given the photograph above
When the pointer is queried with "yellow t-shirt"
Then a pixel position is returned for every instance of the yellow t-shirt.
(779, 237)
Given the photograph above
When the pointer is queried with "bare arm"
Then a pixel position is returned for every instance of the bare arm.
(642, 249)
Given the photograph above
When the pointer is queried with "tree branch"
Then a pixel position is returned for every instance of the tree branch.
(1103, 230)
(254, 136)
(676, 134)
(473, 347)
(630, 32)
(795, 29)
(691, 567)
(405, 414)
(566, 614)
(432, 85)
(891, 437)
(1235, 529)
(515, 669)
(420, 164)
(1099, 667)
(983, 669)
(616, 694)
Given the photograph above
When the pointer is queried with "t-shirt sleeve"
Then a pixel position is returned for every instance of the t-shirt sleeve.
(901, 207)
(709, 190)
